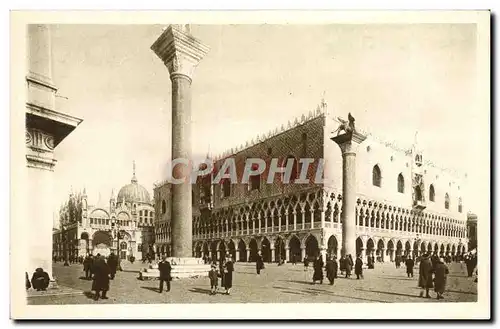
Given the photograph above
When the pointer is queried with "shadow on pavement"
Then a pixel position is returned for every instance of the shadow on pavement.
(84, 278)
(89, 294)
(461, 292)
(151, 288)
(301, 282)
(389, 293)
(200, 291)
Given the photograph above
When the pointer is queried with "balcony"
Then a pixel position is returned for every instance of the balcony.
(419, 205)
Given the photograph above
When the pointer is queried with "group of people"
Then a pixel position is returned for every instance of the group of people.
(225, 272)
(433, 272)
(101, 271)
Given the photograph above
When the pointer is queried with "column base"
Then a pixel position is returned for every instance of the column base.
(184, 267)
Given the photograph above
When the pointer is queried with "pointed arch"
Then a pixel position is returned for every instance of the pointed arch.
(432, 193)
(401, 183)
(447, 201)
(376, 176)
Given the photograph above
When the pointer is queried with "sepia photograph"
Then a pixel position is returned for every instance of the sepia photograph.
(283, 161)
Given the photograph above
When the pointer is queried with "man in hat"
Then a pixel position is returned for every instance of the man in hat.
(441, 273)
(165, 273)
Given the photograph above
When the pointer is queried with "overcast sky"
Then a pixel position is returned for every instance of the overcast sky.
(395, 79)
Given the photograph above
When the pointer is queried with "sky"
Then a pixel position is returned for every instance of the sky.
(394, 79)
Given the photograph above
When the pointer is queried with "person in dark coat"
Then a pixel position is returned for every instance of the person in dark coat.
(306, 263)
(214, 279)
(330, 270)
(87, 266)
(335, 266)
(165, 273)
(259, 263)
(113, 265)
(397, 261)
(101, 272)
(425, 276)
(222, 263)
(318, 270)
(228, 275)
(410, 263)
(348, 266)
(371, 262)
(342, 263)
(358, 268)
(440, 275)
(40, 280)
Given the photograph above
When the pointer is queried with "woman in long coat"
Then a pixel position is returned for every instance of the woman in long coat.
(228, 275)
(330, 270)
(318, 270)
(348, 263)
(101, 277)
(440, 275)
(425, 276)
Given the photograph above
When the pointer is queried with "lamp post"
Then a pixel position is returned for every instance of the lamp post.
(116, 233)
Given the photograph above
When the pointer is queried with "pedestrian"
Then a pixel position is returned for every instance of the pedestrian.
(222, 263)
(330, 270)
(348, 266)
(87, 267)
(425, 276)
(358, 268)
(113, 265)
(228, 275)
(259, 263)
(342, 263)
(214, 279)
(440, 275)
(101, 272)
(318, 270)
(165, 273)
(40, 279)
(410, 263)
(306, 263)
(371, 262)
(397, 261)
(335, 266)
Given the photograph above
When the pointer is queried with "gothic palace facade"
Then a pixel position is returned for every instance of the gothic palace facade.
(86, 229)
(405, 205)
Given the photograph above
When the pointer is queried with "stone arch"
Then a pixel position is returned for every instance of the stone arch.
(359, 246)
(279, 248)
(453, 250)
(407, 248)
(311, 245)
(391, 249)
(376, 176)
(231, 249)
(380, 250)
(332, 246)
(265, 248)
(242, 250)
(370, 247)
(294, 246)
(441, 250)
(399, 248)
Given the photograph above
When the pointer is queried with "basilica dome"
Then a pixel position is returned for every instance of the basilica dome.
(133, 192)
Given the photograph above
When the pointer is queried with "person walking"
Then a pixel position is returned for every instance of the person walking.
(113, 265)
(165, 273)
(100, 283)
(342, 263)
(318, 270)
(214, 279)
(330, 270)
(259, 263)
(335, 266)
(358, 268)
(228, 275)
(306, 263)
(410, 263)
(348, 266)
(440, 276)
(87, 267)
(425, 276)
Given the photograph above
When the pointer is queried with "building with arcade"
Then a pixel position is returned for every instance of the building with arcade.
(125, 221)
(405, 204)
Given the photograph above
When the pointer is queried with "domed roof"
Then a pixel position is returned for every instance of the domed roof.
(134, 192)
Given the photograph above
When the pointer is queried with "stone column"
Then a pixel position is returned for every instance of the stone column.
(302, 253)
(322, 252)
(287, 254)
(45, 130)
(348, 144)
(249, 252)
(181, 53)
(237, 255)
(382, 258)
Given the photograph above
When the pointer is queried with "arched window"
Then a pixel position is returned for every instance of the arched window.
(432, 194)
(376, 176)
(123, 246)
(226, 188)
(295, 168)
(254, 180)
(163, 207)
(401, 183)
(418, 193)
(459, 204)
(447, 201)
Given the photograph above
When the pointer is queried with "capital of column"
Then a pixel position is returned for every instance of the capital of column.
(179, 51)
(349, 142)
